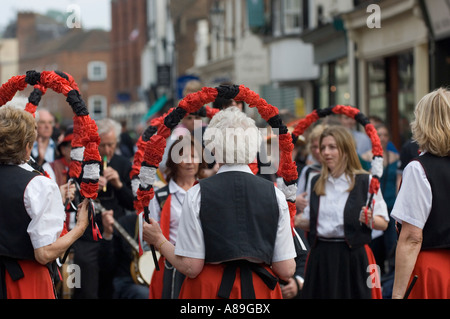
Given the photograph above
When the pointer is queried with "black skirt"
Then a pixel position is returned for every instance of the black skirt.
(334, 271)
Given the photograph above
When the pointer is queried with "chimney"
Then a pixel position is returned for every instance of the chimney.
(26, 32)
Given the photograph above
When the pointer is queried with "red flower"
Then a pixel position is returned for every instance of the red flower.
(374, 185)
(305, 123)
(145, 196)
(75, 169)
(346, 110)
(154, 150)
(10, 88)
(89, 190)
(377, 149)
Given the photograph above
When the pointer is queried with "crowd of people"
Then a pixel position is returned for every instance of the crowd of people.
(220, 229)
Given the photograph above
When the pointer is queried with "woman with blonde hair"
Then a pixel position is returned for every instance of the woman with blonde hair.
(421, 206)
(339, 262)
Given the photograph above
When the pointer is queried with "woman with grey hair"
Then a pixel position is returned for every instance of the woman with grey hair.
(234, 238)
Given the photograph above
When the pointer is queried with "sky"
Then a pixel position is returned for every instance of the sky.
(92, 13)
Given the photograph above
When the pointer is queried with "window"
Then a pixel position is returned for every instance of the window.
(96, 71)
(97, 107)
(287, 17)
(292, 16)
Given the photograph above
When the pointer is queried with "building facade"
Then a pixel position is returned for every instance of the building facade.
(45, 44)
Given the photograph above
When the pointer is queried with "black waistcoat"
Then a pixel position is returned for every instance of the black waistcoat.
(356, 234)
(436, 232)
(14, 239)
(239, 216)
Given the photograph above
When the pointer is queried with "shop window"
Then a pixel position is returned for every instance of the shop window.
(333, 83)
(377, 88)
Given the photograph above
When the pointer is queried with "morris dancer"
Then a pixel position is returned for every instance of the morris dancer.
(182, 171)
(234, 237)
(31, 214)
(422, 205)
(339, 231)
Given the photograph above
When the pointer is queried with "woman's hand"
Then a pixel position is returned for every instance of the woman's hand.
(152, 233)
(366, 217)
(373, 222)
(82, 214)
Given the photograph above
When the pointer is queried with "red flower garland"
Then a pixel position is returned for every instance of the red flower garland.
(154, 148)
(85, 129)
(151, 153)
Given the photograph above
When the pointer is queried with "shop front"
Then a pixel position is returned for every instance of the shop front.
(392, 62)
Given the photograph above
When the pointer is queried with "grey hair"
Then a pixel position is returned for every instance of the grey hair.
(232, 137)
(106, 125)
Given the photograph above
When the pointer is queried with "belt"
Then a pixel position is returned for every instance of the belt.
(331, 240)
(246, 269)
(15, 271)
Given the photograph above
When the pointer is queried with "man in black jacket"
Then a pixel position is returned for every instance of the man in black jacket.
(115, 195)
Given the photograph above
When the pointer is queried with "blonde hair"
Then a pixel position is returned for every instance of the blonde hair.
(17, 130)
(431, 127)
(315, 133)
(192, 86)
(350, 162)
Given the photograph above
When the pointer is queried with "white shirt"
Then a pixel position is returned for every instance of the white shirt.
(176, 203)
(330, 222)
(190, 235)
(49, 155)
(413, 202)
(44, 205)
(304, 185)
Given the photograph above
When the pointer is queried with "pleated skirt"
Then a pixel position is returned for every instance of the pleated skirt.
(206, 285)
(334, 271)
(35, 284)
(433, 275)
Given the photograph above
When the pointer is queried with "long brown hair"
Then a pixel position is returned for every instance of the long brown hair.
(349, 158)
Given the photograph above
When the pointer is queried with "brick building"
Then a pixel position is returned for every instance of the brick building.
(45, 44)
(128, 38)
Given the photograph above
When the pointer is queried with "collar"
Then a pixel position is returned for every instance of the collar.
(341, 178)
(174, 188)
(26, 166)
(235, 168)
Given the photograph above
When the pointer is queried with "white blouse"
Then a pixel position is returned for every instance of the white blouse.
(43, 203)
(176, 202)
(413, 202)
(190, 235)
(331, 207)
